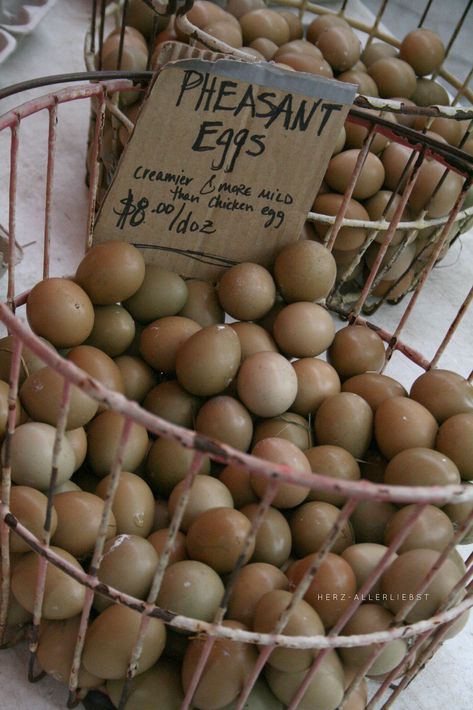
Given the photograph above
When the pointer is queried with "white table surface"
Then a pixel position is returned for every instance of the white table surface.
(57, 46)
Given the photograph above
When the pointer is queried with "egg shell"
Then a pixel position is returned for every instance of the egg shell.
(63, 596)
(111, 272)
(171, 402)
(162, 293)
(443, 393)
(340, 47)
(98, 365)
(396, 158)
(79, 518)
(264, 23)
(237, 8)
(355, 350)
(422, 467)
(207, 362)
(304, 329)
(305, 62)
(206, 493)
(369, 520)
(374, 388)
(246, 291)
(378, 50)
(285, 453)
(228, 665)
(401, 423)
(423, 50)
(60, 311)
(364, 558)
(296, 27)
(341, 167)
(162, 681)
(265, 46)
(288, 426)
(345, 420)
(36, 472)
(316, 380)
(253, 339)
(323, 22)
(393, 77)
(29, 507)
(267, 384)
(312, 523)
(227, 420)
(192, 589)
(202, 305)
(158, 539)
(129, 564)
(422, 195)
(432, 530)
(455, 440)
(103, 437)
(161, 340)
(217, 538)
(168, 463)
(4, 409)
(78, 440)
(273, 540)
(429, 92)
(29, 362)
(133, 504)
(113, 331)
(298, 46)
(366, 85)
(107, 653)
(237, 480)
(304, 271)
(382, 206)
(138, 377)
(333, 461)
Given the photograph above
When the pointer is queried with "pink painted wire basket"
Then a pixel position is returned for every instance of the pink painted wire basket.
(423, 637)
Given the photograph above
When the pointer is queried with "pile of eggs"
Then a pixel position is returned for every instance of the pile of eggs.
(331, 48)
(259, 382)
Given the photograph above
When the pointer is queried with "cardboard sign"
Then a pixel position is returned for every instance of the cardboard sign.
(223, 165)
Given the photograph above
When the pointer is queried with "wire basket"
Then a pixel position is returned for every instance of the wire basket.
(420, 228)
(423, 637)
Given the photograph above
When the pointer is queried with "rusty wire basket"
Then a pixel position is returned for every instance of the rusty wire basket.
(421, 230)
(424, 637)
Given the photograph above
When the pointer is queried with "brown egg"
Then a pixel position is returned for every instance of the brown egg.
(171, 402)
(267, 384)
(322, 23)
(60, 311)
(341, 167)
(325, 689)
(378, 209)
(395, 159)
(99, 365)
(237, 480)
(304, 329)
(400, 262)
(206, 493)
(356, 134)
(359, 698)
(226, 419)
(192, 589)
(202, 305)
(335, 462)
(304, 271)
(162, 293)
(129, 563)
(4, 408)
(78, 440)
(63, 596)
(217, 538)
(374, 388)
(252, 583)
(443, 393)
(420, 466)
(133, 504)
(422, 195)
(102, 637)
(316, 380)
(340, 47)
(273, 540)
(302, 621)
(227, 667)
(264, 23)
(423, 50)
(36, 471)
(458, 513)
(202, 12)
(369, 618)
(305, 62)
(401, 423)
(284, 453)
(429, 92)
(247, 291)
(131, 35)
(355, 350)
(296, 28)
(168, 463)
(406, 574)
(253, 339)
(345, 420)
(331, 591)
(134, 57)
(103, 436)
(161, 340)
(369, 520)
(432, 529)
(265, 46)
(455, 440)
(298, 46)
(348, 238)
(158, 540)
(364, 82)
(29, 507)
(55, 654)
(207, 362)
(378, 50)
(111, 272)
(441, 129)
(113, 331)
(29, 362)
(225, 32)
(138, 378)
(237, 8)
(394, 290)
(288, 426)
(162, 681)
(79, 517)
(312, 523)
(363, 558)
(393, 77)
